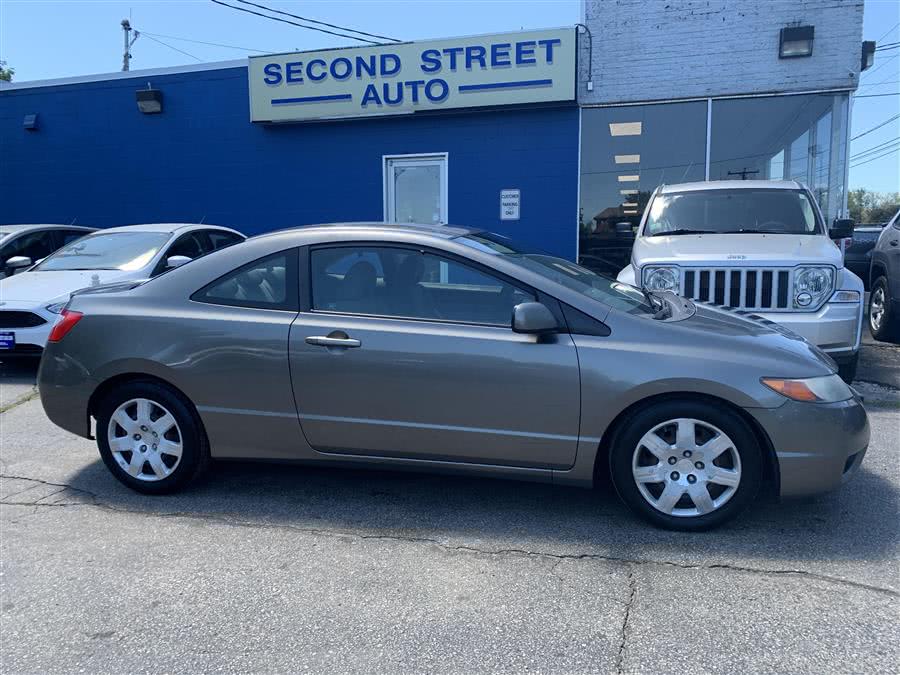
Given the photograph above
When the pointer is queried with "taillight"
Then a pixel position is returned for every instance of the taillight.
(67, 320)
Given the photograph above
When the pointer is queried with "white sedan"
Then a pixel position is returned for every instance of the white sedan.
(31, 301)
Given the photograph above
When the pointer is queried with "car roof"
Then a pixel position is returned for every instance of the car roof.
(731, 185)
(25, 227)
(441, 231)
(170, 228)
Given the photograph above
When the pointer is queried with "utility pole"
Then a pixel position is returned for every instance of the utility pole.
(126, 55)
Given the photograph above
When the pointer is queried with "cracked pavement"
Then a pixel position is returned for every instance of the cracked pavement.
(270, 568)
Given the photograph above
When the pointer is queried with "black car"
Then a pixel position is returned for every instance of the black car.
(884, 277)
(858, 255)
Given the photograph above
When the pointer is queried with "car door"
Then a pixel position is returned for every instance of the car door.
(401, 352)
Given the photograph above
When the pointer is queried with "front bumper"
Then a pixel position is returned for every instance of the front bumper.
(835, 328)
(818, 446)
(28, 337)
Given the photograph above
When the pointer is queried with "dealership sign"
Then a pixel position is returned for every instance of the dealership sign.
(491, 70)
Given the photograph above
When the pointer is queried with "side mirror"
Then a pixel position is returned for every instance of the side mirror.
(533, 318)
(177, 261)
(17, 263)
(842, 228)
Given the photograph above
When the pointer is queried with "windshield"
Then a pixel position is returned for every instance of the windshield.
(769, 211)
(574, 277)
(109, 251)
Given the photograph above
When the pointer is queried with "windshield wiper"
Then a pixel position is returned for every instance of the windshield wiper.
(682, 230)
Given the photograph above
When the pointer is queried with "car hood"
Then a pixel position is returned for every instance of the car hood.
(43, 288)
(752, 334)
(738, 250)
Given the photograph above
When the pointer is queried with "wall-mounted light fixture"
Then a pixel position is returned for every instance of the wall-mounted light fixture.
(30, 122)
(149, 101)
(868, 55)
(795, 41)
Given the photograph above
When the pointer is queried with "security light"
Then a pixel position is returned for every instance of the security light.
(629, 204)
(629, 212)
(628, 159)
(868, 55)
(149, 101)
(30, 122)
(628, 192)
(795, 41)
(625, 128)
(629, 178)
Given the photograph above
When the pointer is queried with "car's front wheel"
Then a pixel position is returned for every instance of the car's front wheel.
(882, 323)
(150, 438)
(686, 465)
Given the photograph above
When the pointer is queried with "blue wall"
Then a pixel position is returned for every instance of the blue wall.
(96, 158)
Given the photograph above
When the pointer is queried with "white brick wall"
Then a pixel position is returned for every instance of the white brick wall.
(645, 50)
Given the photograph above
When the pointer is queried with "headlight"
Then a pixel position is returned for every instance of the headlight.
(56, 308)
(812, 285)
(662, 279)
(827, 389)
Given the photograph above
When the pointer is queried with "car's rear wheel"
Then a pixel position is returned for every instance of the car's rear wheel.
(686, 465)
(883, 324)
(150, 437)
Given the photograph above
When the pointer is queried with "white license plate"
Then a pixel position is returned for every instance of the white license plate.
(7, 341)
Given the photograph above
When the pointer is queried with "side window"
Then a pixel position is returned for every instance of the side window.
(35, 245)
(68, 236)
(408, 283)
(219, 239)
(267, 283)
(190, 245)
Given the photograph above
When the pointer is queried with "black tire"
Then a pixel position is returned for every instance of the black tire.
(847, 369)
(629, 434)
(889, 330)
(194, 446)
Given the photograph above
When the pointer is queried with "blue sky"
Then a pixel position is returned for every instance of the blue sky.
(58, 38)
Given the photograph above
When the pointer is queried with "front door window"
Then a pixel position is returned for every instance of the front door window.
(416, 189)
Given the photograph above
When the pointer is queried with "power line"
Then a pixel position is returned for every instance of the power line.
(893, 93)
(319, 23)
(166, 44)
(872, 159)
(869, 73)
(874, 147)
(889, 30)
(293, 23)
(888, 47)
(878, 126)
(201, 42)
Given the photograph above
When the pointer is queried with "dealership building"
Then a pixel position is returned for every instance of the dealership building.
(550, 136)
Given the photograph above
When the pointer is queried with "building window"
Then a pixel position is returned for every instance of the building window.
(626, 152)
(799, 137)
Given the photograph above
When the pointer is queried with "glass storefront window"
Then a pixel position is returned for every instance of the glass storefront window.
(626, 152)
(800, 137)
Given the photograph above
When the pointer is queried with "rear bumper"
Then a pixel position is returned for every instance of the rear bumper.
(65, 390)
(819, 446)
(836, 328)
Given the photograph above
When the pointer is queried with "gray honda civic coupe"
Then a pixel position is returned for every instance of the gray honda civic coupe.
(452, 350)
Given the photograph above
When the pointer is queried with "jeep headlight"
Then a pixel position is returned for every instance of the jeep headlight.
(812, 285)
(662, 279)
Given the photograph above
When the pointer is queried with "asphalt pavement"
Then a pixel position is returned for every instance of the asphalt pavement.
(270, 568)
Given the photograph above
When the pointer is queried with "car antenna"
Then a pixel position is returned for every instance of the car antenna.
(203, 219)
(73, 220)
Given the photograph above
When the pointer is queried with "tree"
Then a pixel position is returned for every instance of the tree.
(872, 207)
(6, 74)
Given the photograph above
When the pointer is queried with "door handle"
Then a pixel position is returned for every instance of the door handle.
(327, 341)
(893, 242)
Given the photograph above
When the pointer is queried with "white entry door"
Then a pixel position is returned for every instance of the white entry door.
(415, 189)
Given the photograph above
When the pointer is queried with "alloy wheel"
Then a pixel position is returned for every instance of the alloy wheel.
(876, 309)
(686, 467)
(144, 439)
